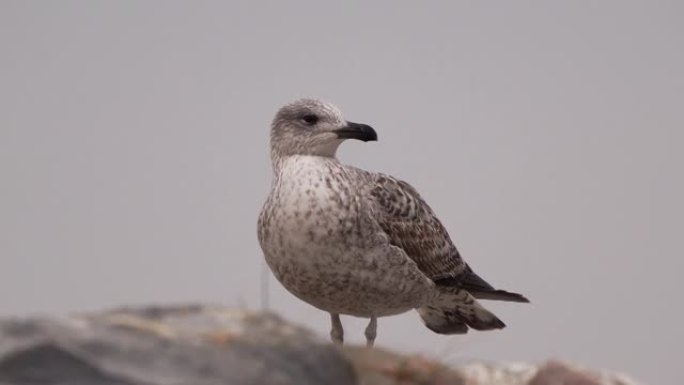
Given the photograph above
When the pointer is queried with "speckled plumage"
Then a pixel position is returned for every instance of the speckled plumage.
(353, 242)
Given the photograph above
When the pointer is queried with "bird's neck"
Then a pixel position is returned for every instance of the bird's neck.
(323, 149)
(281, 164)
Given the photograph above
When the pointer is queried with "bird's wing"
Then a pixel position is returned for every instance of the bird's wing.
(411, 225)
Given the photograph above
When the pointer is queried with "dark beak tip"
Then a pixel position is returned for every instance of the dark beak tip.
(358, 131)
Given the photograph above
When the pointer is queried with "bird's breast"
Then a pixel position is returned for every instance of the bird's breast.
(311, 207)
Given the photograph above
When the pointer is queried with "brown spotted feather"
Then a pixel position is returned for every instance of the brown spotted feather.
(411, 225)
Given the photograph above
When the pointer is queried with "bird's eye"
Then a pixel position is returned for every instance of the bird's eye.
(310, 119)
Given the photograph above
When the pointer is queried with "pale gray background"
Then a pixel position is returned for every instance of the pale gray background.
(547, 135)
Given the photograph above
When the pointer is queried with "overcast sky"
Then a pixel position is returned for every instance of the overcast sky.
(546, 135)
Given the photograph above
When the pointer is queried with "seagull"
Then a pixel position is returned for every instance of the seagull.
(354, 242)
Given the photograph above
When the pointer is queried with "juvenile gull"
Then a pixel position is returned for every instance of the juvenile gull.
(354, 242)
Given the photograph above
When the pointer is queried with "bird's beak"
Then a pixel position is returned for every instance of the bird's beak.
(357, 131)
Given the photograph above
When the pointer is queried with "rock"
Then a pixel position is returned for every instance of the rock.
(211, 345)
(381, 367)
(498, 374)
(560, 373)
(549, 373)
(173, 345)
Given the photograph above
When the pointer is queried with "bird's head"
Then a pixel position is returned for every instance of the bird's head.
(313, 127)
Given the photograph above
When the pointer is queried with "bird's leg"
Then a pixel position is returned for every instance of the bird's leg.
(371, 331)
(336, 332)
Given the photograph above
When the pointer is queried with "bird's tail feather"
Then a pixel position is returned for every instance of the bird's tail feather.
(454, 310)
(499, 295)
(479, 288)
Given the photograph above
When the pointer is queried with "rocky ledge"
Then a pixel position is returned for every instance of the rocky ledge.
(210, 345)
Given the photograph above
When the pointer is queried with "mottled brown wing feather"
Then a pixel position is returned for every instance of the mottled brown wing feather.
(411, 225)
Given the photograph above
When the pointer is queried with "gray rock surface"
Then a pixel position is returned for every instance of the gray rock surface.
(211, 345)
(172, 345)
